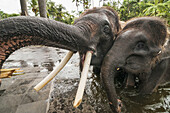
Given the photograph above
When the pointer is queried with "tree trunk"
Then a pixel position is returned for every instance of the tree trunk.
(24, 10)
(42, 8)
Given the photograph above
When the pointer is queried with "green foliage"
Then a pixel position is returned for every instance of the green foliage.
(59, 13)
(137, 8)
(86, 3)
(5, 15)
(126, 9)
(56, 12)
(129, 8)
(33, 5)
(158, 9)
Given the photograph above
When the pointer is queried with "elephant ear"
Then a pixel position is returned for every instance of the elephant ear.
(159, 75)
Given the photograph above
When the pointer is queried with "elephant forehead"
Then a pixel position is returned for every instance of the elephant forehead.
(106, 10)
(96, 17)
(135, 34)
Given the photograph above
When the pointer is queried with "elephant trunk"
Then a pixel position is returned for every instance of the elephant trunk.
(108, 82)
(23, 31)
(112, 62)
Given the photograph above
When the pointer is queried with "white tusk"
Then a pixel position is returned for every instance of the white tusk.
(82, 83)
(54, 72)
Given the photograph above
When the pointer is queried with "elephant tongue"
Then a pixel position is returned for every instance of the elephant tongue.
(130, 80)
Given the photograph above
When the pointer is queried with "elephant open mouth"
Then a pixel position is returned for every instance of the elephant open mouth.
(125, 79)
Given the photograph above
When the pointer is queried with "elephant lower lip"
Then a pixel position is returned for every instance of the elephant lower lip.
(96, 61)
(82, 60)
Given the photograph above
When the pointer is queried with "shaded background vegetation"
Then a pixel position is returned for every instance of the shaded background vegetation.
(126, 9)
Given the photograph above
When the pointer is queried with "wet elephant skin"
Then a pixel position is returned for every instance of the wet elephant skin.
(139, 52)
(94, 30)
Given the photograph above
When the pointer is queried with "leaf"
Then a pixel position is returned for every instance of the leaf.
(149, 4)
(148, 10)
(167, 3)
(161, 8)
(161, 14)
(156, 2)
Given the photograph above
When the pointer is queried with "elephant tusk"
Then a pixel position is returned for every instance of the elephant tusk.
(83, 79)
(54, 72)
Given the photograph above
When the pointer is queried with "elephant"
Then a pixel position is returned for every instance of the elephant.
(94, 30)
(140, 51)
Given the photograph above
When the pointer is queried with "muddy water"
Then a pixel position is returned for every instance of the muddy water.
(64, 85)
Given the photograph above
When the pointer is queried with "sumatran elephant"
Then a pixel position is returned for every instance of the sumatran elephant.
(94, 30)
(140, 51)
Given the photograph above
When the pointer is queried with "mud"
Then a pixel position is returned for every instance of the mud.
(95, 100)
(37, 62)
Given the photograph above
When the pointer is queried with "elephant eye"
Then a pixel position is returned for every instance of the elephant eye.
(106, 29)
(140, 45)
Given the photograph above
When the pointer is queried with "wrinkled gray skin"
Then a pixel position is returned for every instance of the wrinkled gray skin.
(137, 52)
(93, 31)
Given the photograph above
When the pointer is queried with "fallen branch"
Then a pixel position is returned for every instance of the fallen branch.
(7, 73)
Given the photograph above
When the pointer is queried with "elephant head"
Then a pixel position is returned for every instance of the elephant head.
(93, 31)
(104, 32)
(136, 52)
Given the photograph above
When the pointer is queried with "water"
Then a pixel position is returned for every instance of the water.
(157, 102)
(47, 58)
